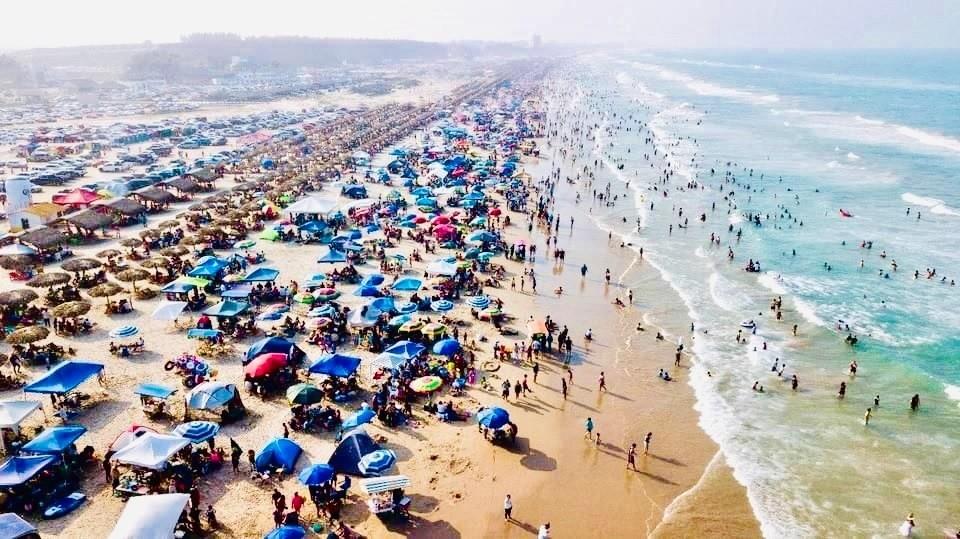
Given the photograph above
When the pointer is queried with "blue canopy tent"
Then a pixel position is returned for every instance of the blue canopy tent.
(64, 377)
(55, 440)
(269, 345)
(338, 365)
(355, 444)
(203, 333)
(316, 474)
(227, 308)
(332, 256)
(12, 526)
(286, 532)
(238, 292)
(18, 470)
(197, 431)
(209, 268)
(406, 349)
(177, 287)
(156, 391)
(278, 453)
(261, 275)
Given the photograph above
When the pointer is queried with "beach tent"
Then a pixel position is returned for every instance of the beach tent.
(441, 267)
(286, 532)
(64, 377)
(366, 291)
(274, 344)
(242, 291)
(169, 310)
(355, 444)
(335, 365)
(384, 304)
(227, 308)
(278, 453)
(128, 436)
(12, 526)
(332, 257)
(386, 360)
(311, 206)
(151, 450)
(150, 517)
(54, 440)
(18, 470)
(386, 483)
(261, 275)
(12, 413)
(374, 279)
(211, 395)
(405, 349)
(197, 431)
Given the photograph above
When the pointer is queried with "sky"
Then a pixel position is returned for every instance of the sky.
(663, 24)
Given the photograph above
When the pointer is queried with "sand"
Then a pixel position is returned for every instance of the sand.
(459, 480)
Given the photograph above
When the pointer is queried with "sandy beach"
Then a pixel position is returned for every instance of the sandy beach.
(458, 479)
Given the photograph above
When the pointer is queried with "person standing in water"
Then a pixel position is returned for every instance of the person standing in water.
(866, 416)
(915, 402)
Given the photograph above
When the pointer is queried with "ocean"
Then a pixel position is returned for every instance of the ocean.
(774, 146)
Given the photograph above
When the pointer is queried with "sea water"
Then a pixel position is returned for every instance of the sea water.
(804, 135)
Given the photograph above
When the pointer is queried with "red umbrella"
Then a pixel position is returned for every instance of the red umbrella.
(441, 220)
(494, 211)
(77, 197)
(444, 231)
(265, 364)
(419, 219)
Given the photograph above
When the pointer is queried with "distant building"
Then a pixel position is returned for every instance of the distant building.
(536, 41)
(38, 214)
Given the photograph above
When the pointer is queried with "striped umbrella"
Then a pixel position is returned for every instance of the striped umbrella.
(441, 305)
(406, 308)
(377, 462)
(125, 332)
(197, 431)
(479, 302)
(426, 384)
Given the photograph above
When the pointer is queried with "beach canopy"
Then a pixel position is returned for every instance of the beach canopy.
(316, 474)
(441, 267)
(278, 453)
(12, 413)
(211, 395)
(377, 462)
(360, 417)
(386, 360)
(407, 284)
(493, 418)
(156, 391)
(20, 469)
(262, 275)
(286, 532)
(311, 206)
(184, 284)
(355, 444)
(405, 349)
(169, 310)
(273, 344)
(227, 308)
(151, 450)
(242, 291)
(55, 440)
(446, 347)
(383, 484)
(265, 364)
(333, 256)
(339, 365)
(150, 517)
(12, 526)
(197, 431)
(64, 377)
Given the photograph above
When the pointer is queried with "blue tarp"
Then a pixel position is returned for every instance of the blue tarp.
(202, 333)
(271, 344)
(18, 470)
(227, 308)
(335, 365)
(64, 377)
(154, 390)
(262, 274)
(12, 526)
(346, 457)
(332, 256)
(287, 532)
(54, 440)
(278, 453)
(405, 349)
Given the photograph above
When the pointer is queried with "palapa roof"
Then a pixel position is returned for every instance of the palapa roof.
(90, 220)
(184, 184)
(157, 196)
(203, 174)
(126, 206)
(43, 238)
(47, 210)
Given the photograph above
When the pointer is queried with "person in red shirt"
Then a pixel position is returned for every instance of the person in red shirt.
(297, 502)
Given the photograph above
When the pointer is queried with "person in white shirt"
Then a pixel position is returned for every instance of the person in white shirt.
(507, 508)
(544, 531)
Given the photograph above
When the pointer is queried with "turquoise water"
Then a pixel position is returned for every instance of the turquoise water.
(873, 133)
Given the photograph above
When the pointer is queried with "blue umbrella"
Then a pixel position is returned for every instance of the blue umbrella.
(481, 236)
(377, 462)
(124, 332)
(382, 304)
(197, 431)
(354, 234)
(287, 532)
(407, 284)
(364, 415)
(446, 347)
(493, 418)
(374, 279)
(366, 291)
(326, 310)
(479, 302)
(400, 320)
(407, 308)
(441, 305)
(316, 474)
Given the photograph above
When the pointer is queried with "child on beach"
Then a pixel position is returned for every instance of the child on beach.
(589, 426)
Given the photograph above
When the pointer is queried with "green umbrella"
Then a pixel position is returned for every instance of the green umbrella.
(304, 394)
(426, 384)
(270, 235)
(244, 244)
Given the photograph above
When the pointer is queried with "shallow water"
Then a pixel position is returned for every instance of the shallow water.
(872, 134)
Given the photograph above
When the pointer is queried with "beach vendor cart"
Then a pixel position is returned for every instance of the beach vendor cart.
(387, 498)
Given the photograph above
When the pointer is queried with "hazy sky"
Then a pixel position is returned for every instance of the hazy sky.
(647, 23)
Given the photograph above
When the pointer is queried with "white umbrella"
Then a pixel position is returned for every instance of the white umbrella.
(169, 310)
(17, 249)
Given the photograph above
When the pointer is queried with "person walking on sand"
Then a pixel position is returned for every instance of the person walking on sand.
(602, 381)
(569, 374)
(507, 508)
(588, 425)
(536, 371)
(505, 390)
(563, 388)
(632, 457)
(525, 386)
(646, 443)
(517, 389)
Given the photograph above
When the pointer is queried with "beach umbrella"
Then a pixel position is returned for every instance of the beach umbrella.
(481, 236)
(20, 296)
(317, 279)
(304, 298)
(244, 244)
(316, 474)
(406, 308)
(433, 329)
(364, 415)
(172, 223)
(446, 347)
(197, 431)
(426, 384)
(479, 302)
(264, 364)
(366, 291)
(81, 264)
(374, 279)
(493, 418)
(46, 280)
(131, 242)
(14, 262)
(169, 310)
(17, 249)
(71, 309)
(108, 253)
(441, 305)
(326, 294)
(407, 284)
(133, 275)
(124, 332)
(398, 321)
(287, 532)
(411, 326)
(377, 462)
(270, 235)
(304, 394)
(156, 263)
(27, 335)
(105, 290)
(174, 251)
(326, 310)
